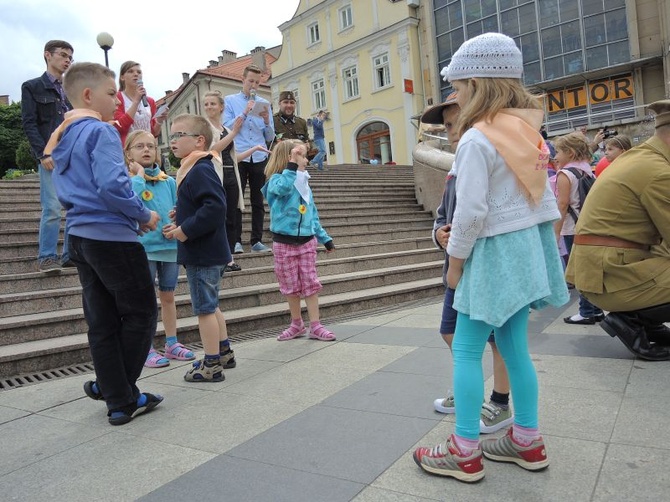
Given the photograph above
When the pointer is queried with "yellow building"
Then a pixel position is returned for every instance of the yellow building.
(360, 61)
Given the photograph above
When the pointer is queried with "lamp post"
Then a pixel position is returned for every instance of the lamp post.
(105, 41)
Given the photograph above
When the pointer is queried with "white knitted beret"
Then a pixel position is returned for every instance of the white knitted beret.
(491, 55)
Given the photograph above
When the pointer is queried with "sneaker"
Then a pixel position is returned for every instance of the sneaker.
(228, 360)
(532, 457)
(494, 417)
(49, 266)
(238, 248)
(259, 247)
(200, 372)
(445, 405)
(444, 460)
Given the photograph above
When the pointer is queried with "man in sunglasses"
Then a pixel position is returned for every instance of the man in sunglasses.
(43, 105)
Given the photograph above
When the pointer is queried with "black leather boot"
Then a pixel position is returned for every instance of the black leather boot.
(626, 327)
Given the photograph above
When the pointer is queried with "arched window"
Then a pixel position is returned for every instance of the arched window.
(374, 142)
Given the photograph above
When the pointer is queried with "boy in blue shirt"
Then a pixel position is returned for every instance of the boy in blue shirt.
(104, 217)
(203, 244)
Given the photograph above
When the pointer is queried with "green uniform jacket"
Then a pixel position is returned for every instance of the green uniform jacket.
(631, 201)
(289, 130)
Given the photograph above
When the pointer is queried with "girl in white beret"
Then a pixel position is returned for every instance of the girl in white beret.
(502, 250)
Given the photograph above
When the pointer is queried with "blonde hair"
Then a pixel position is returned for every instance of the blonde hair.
(575, 145)
(131, 138)
(487, 96)
(281, 153)
(84, 75)
(198, 125)
(621, 142)
(215, 94)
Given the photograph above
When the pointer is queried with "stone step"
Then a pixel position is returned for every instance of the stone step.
(37, 326)
(40, 355)
(67, 297)
(23, 269)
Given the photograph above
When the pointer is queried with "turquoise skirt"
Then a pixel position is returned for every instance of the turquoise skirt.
(507, 272)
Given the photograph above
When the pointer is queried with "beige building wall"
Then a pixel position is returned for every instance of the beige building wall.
(380, 34)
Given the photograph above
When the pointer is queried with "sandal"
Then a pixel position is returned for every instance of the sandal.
(292, 332)
(321, 333)
(179, 352)
(92, 390)
(122, 416)
(155, 360)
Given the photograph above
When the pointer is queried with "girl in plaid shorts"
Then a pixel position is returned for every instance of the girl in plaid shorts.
(296, 229)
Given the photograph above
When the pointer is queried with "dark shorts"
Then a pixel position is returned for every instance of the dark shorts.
(448, 322)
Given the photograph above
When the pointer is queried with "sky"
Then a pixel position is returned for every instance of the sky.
(166, 37)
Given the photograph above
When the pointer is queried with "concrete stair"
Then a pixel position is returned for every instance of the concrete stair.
(384, 255)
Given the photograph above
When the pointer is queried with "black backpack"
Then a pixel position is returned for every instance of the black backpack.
(584, 184)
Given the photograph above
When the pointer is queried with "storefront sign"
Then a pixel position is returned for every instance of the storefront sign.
(594, 93)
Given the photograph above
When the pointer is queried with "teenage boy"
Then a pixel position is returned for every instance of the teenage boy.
(43, 105)
(104, 217)
(258, 129)
(203, 244)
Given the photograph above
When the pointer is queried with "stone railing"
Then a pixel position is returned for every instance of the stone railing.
(432, 162)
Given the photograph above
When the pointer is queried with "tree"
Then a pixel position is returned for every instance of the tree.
(11, 135)
(24, 157)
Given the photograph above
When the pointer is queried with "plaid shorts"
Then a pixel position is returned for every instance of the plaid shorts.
(295, 268)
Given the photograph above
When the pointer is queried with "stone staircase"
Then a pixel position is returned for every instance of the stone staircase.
(384, 255)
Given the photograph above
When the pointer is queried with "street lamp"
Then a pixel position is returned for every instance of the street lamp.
(105, 41)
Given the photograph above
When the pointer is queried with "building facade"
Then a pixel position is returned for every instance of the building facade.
(598, 62)
(361, 62)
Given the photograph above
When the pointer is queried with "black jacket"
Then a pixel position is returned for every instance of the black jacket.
(41, 112)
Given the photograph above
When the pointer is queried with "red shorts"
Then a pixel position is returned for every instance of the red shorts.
(295, 268)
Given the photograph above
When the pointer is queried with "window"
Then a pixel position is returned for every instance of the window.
(382, 70)
(313, 33)
(346, 18)
(319, 94)
(350, 77)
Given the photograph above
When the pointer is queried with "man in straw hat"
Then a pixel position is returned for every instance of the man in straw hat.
(621, 260)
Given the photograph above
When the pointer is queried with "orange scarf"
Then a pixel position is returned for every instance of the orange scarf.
(515, 135)
(189, 161)
(69, 118)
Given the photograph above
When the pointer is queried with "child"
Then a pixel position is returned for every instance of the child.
(203, 246)
(495, 414)
(503, 256)
(573, 156)
(295, 226)
(159, 193)
(103, 213)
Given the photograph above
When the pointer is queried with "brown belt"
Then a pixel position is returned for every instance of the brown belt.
(612, 242)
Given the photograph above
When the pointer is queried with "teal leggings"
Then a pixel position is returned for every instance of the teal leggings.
(468, 347)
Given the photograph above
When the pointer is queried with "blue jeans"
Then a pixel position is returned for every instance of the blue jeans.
(119, 302)
(468, 346)
(203, 283)
(318, 158)
(168, 274)
(50, 221)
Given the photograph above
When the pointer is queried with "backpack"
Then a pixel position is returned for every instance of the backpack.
(584, 184)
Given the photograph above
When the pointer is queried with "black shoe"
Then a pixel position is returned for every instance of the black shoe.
(232, 267)
(583, 320)
(660, 335)
(68, 264)
(124, 415)
(626, 328)
(93, 392)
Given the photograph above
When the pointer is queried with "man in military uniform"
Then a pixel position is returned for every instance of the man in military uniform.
(287, 124)
(621, 255)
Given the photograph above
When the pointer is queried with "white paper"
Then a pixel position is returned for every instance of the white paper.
(258, 108)
(161, 110)
(301, 184)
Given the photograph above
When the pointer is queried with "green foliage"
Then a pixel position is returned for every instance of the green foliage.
(24, 157)
(174, 161)
(11, 135)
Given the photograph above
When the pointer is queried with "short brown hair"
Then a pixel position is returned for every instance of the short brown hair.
(251, 68)
(82, 75)
(621, 141)
(198, 125)
(124, 68)
(52, 45)
(576, 145)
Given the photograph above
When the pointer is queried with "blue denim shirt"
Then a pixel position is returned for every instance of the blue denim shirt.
(254, 131)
